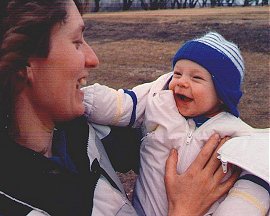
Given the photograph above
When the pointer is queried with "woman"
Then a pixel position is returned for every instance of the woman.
(52, 161)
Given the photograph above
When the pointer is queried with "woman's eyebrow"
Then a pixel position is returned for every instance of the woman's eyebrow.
(79, 29)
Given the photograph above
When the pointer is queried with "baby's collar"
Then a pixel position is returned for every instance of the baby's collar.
(199, 120)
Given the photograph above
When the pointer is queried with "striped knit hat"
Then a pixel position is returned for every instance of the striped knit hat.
(223, 60)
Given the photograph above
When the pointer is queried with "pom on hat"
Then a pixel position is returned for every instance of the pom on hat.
(223, 60)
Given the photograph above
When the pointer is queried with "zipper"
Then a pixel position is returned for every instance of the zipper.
(191, 129)
(224, 163)
(146, 135)
(189, 137)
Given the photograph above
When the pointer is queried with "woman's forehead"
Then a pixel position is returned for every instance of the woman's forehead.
(73, 23)
(73, 15)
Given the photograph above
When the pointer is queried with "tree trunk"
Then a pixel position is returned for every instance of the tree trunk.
(96, 9)
(127, 4)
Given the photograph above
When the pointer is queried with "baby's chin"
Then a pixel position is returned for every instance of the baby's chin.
(186, 115)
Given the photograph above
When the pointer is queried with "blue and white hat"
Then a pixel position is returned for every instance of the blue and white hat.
(223, 60)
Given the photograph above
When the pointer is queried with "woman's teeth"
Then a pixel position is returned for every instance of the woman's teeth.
(81, 82)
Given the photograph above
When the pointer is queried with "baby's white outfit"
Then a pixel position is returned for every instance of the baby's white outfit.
(153, 107)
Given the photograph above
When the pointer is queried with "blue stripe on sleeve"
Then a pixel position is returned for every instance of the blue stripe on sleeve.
(134, 100)
(256, 180)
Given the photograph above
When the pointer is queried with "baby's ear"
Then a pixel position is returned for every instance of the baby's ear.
(222, 106)
(220, 102)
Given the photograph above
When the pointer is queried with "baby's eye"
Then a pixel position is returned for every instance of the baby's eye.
(177, 74)
(198, 77)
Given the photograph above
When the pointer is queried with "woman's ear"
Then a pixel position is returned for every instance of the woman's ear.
(29, 72)
(22, 74)
(25, 74)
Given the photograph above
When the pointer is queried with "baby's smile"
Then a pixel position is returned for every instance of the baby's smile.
(184, 98)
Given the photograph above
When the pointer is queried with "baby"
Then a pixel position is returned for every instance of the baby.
(181, 110)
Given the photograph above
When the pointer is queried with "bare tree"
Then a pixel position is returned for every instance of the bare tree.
(96, 9)
(127, 4)
(230, 2)
(247, 3)
(185, 4)
(213, 3)
(153, 4)
(219, 3)
(158, 4)
(144, 5)
(163, 4)
(204, 3)
(265, 2)
(177, 2)
(192, 3)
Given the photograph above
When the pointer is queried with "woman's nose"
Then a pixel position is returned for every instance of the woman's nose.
(91, 59)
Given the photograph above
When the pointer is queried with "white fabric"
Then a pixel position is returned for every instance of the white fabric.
(101, 130)
(107, 200)
(164, 128)
(256, 145)
(248, 191)
(37, 213)
(113, 109)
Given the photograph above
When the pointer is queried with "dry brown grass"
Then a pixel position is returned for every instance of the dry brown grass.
(137, 47)
(186, 14)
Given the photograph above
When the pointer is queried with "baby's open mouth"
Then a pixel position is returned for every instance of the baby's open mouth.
(184, 98)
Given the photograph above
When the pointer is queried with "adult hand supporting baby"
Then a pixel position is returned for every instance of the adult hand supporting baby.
(194, 191)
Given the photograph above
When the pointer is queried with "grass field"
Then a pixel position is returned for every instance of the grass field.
(137, 47)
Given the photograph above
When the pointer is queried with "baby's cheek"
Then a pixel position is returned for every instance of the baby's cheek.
(171, 85)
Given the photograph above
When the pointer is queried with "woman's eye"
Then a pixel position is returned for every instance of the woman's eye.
(78, 43)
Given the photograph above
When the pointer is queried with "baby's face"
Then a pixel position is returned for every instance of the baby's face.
(193, 90)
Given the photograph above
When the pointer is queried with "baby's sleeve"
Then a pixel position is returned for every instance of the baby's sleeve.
(107, 106)
(248, 197)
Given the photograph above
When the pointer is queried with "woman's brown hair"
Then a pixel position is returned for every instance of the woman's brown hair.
(25, 30)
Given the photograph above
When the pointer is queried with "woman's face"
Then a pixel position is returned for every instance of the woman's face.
(56, 80)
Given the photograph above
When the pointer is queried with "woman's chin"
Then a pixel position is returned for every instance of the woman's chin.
(68, 116)
(79, 112)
